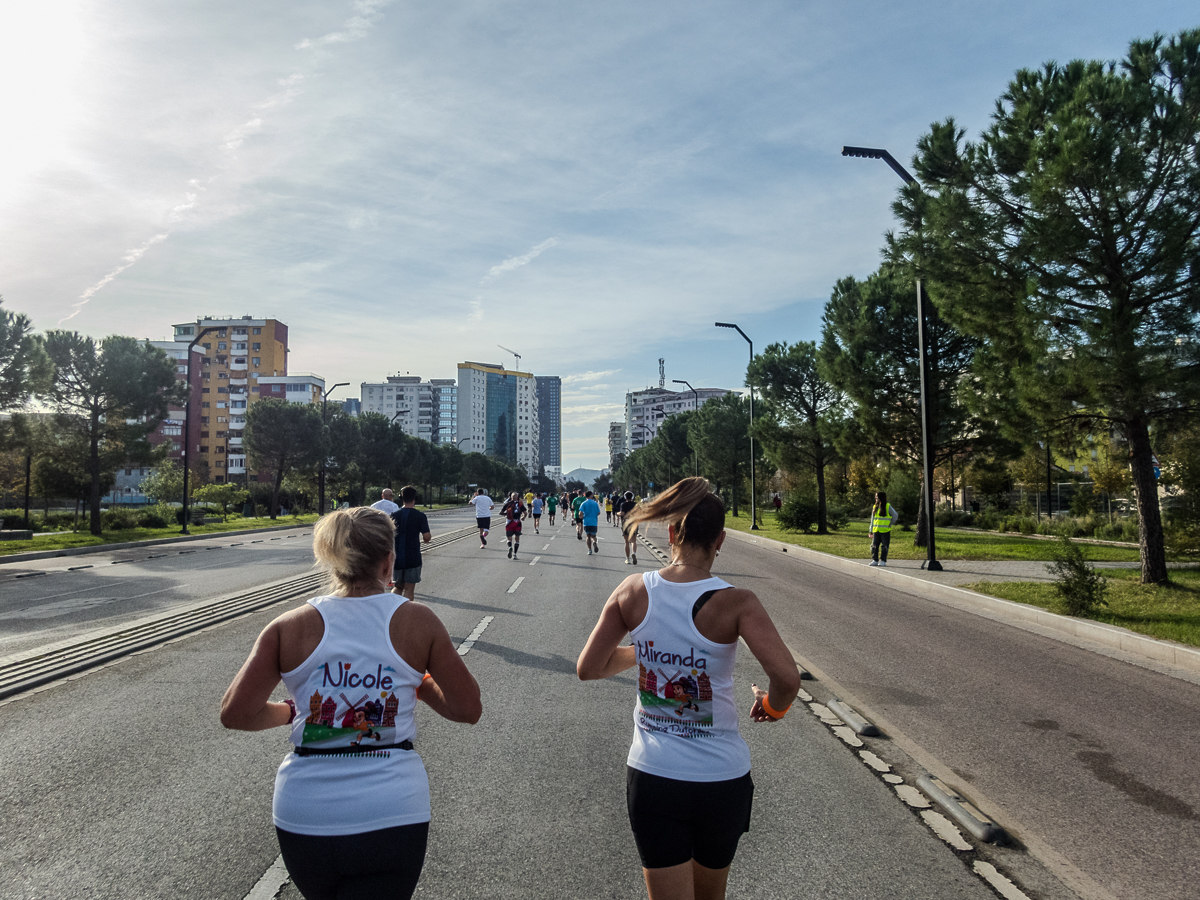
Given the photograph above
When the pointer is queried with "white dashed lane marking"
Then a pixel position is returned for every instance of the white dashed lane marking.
(534, 561)
(465, 647)
(516, 584)
(547, 547)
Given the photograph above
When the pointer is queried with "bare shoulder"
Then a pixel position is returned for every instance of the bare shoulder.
(301, 619)
(414, 615)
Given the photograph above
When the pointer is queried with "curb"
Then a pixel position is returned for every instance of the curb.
(1111, 636)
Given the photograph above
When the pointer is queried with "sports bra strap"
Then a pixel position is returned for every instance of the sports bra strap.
(700, 601)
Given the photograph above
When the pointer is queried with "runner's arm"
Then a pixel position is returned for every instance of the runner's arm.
(451, 691)
(246, 705)
(603, 656)
(761, 636)
(427, 536)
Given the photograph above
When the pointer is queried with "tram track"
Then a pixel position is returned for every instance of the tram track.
(42, 666)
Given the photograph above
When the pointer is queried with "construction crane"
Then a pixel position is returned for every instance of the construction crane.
(514, 353)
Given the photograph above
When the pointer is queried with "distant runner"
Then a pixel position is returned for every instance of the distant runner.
(629, 532)
(552, 505)
(387, 504)
(608, 510)
(514, 510)
(575, 504)
(483, 515)
(589, 511)
(535, 510)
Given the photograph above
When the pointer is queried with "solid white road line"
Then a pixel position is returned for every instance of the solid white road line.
(272, 882)
(516, 584)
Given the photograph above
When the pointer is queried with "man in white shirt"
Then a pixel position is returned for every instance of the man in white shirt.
(483, 515)
(388, 505)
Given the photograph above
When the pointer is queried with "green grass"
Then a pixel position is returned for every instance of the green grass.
(65, 540)
(1169, 613)
(854, 542)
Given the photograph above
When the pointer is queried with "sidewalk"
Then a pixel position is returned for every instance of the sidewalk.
(967, 571)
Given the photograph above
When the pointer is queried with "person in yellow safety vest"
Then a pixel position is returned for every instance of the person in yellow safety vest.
(883, 518)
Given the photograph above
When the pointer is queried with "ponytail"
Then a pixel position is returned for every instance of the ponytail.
(697, 514)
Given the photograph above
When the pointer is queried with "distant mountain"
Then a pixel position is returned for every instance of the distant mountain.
(587, 476)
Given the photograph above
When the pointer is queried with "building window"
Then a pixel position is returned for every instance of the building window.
(256, 347)
(204, 434)
(221, 345)
(203, 448)
(257, 361)
(204, 403)
(204, 420)
(204, 390)
(257, 331)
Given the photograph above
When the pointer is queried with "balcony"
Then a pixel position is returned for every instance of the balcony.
(235, 442)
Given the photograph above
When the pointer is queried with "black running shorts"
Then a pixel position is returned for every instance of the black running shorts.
(483, 522)
(676, 821)
(380, 865)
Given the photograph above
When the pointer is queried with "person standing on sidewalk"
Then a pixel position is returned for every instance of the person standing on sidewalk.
(483, 515)
(412, 528)
(883, 518)
(688, 785)
(351, 805)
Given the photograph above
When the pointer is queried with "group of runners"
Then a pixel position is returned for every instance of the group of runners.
(584, 508)
(352, 804)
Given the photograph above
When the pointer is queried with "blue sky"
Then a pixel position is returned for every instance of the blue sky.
(408, 185)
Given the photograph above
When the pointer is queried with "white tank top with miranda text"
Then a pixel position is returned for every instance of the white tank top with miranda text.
(685, 721)
(354, 692)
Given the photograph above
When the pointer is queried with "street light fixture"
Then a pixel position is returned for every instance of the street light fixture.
(931, 563)
(324, 458)
(753, 503)
(696, 402)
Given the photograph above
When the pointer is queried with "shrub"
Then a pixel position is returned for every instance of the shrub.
(944, 517)
(1183, 540)
(153, 517)
(799, 513)
(835, 516)
(118, 520)
(1079, 585)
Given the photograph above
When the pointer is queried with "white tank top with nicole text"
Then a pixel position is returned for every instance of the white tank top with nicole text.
(685, 721)
(354, 692)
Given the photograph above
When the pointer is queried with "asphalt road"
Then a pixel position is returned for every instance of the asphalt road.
(121, 782)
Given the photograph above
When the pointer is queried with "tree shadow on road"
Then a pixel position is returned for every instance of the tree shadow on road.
(463, 604)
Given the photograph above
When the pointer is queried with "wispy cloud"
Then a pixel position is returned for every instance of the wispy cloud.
(584, 377)
(515, 262)
(128, 260)
(367, 13)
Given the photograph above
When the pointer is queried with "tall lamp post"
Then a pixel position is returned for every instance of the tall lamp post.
(931, 563)
(753, 487)
(324, 424)
(696, 401)
(187, 424)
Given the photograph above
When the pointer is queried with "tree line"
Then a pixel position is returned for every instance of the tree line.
(1060, 252)
(102, 399)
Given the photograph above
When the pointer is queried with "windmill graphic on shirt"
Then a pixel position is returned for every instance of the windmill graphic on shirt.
(352, 720)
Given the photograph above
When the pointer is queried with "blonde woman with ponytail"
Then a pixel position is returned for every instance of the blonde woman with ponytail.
(688, 781)
(351, 806)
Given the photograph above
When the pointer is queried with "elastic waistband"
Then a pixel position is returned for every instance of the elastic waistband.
(352, 751)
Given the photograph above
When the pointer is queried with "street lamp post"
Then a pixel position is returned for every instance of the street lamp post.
(696, 402)
(324, 457)
(931, 563)
(187, 424)
(753, 490)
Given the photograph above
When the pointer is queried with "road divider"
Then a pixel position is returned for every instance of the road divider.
(962, 810)
(857, 723)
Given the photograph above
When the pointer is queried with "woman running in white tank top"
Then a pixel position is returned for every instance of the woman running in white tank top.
(688, 781)
(351, 806)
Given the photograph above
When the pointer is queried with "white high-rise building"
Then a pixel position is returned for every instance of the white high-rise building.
(423, 409)
(498, 414)
(646, 410)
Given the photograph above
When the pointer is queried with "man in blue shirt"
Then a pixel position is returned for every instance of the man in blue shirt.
(589, 510)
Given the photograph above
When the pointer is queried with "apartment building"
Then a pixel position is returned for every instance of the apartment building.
(423, 409)
(549, 396)
(239, 353)
(498, 414)
(646, 410)
(616, 444)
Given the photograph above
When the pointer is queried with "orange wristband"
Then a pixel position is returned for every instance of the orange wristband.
(426, 678)
(772, 713)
